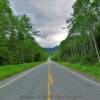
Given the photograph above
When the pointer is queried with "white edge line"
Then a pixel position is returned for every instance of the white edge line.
(19, 77)
(81, 76)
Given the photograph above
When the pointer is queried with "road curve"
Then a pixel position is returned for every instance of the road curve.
(49, 81)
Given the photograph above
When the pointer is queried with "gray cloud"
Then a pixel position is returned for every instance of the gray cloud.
(49, 16)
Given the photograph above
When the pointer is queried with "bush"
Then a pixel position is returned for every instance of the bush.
(5, 55)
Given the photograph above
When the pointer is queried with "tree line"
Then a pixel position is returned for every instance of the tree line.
(83, 42)
(17, 44)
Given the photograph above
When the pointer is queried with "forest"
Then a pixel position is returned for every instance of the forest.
(17, 44)
(82, 45)
(83, 42)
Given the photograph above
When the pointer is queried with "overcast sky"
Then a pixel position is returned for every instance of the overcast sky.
(49, 16)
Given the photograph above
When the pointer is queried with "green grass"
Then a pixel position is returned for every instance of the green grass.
(10, 70)
(91, 70)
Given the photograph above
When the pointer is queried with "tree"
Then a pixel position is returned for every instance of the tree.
(17, 44)
(82, 43)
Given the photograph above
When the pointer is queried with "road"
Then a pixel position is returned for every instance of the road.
(49, 81)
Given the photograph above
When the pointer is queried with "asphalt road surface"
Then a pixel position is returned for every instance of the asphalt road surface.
(49, 81)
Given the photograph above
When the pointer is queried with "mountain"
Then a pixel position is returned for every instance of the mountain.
(52, 49)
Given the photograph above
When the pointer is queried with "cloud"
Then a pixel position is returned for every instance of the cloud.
(49, 16)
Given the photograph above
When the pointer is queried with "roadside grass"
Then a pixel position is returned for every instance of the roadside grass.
(91, 70)
(10, 70)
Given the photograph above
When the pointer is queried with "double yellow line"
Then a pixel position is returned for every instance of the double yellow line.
(50, 83)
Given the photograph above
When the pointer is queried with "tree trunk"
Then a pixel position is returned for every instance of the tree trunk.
(96, 48)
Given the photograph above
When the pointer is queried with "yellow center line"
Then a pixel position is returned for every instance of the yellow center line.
(50, 83)
(51, 79)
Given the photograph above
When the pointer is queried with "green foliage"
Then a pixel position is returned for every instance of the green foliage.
(17, 44)
(55, 55)
(4, 55)
(83, 42)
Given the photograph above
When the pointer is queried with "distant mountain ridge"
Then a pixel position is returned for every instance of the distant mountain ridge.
(51, 49)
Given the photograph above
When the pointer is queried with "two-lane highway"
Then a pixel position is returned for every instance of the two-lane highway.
(50, 81)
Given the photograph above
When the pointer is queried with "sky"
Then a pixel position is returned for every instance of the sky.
(48, 16)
